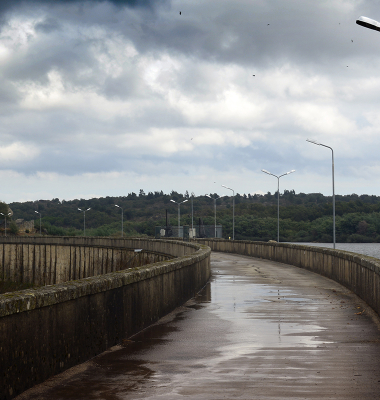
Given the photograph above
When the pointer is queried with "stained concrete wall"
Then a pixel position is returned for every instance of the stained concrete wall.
(51, 260)
(45, 331)
(359, 273)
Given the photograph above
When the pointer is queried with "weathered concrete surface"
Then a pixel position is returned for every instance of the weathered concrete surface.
(260, 330)
(46, 331)
(50, 261)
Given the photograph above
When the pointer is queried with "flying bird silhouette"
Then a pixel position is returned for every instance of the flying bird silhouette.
(180, 13)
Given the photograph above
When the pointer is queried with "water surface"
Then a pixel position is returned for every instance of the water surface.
(368, 249)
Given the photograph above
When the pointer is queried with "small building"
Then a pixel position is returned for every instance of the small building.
(23, 225)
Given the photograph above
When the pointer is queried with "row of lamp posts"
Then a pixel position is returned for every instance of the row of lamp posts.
(84, 220)
(216, 198)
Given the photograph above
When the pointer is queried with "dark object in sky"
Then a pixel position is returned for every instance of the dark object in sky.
(253, 75)
(368, 23)
(352, 41)
(268, 24)
(180, 13)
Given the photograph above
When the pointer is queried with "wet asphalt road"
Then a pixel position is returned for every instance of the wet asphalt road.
(259, 330)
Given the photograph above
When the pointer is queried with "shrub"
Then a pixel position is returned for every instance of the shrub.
(13, 228)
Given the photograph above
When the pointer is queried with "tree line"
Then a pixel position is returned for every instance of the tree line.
(303, 217)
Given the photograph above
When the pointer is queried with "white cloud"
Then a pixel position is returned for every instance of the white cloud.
(17, 152)
(109, 98)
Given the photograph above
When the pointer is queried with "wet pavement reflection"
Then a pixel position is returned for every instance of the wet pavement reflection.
(258, 330)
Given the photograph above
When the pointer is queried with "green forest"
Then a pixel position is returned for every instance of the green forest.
(303, 217)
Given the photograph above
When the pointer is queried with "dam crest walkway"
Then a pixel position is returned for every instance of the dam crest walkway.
(258, 330)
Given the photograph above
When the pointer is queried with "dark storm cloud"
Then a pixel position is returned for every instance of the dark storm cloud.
(6, 5)
(241, 32)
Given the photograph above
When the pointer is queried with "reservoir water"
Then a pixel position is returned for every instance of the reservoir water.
(368, 249)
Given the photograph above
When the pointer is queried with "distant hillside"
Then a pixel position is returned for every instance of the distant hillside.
(304, 217)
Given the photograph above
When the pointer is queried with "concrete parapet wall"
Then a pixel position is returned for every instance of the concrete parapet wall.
(47, 330)
(359, 273)
(52, 260)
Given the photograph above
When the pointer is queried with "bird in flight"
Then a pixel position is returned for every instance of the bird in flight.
(180, 13)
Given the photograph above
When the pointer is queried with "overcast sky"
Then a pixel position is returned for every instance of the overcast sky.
(104, 98)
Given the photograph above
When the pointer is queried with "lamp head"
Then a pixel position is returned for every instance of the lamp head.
(173, 201)
(368, 23)
(265, 171)
(290, 172)
(117, 205)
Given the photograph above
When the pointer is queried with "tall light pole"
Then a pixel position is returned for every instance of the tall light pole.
(122, 212)
(84, 220)
(192, 216)
(216, 198)
(40, 220)
(179, 213)
(192, 212)
(233, 211)
(278, 197)
(333, 186)
(368, 23)
(5, 222)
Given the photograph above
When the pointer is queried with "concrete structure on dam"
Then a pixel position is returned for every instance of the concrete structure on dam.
(44, 331)
(47, 330)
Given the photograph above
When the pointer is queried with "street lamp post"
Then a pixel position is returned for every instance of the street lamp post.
(192, 212)
(179, 213)
(192, 216)
(5, 222)
(216, 198)
(40, 220)
(122, 212)
(333, 186)
(84, 220)
(278, 197)
(233, 211)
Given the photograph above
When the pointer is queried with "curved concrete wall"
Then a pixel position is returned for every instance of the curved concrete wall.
(359, 273)
(51, 260)
(47, 330)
